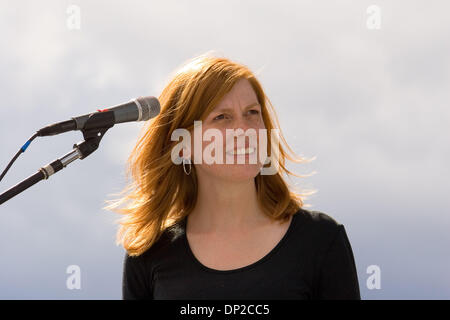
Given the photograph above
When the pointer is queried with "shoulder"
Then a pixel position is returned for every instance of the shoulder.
(169, 238)
(318, 219)
(318, 227)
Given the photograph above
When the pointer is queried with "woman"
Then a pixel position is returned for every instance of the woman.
(224, 230)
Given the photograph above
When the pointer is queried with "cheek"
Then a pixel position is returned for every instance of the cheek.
(210, 146)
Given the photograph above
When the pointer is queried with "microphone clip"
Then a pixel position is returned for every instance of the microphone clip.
(93, 131)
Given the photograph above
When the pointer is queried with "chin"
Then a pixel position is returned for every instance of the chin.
(237, 172)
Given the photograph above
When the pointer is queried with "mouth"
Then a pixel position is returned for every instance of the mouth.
(241, 151)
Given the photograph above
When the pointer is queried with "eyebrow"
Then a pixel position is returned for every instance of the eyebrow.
(228, 109)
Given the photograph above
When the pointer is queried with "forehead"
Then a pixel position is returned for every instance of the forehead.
(241, 95)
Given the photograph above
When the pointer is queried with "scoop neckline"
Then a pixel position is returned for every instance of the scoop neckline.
(244, 268)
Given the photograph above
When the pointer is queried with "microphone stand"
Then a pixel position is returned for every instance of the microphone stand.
(93, 131)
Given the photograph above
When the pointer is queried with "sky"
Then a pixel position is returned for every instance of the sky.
(362, 86)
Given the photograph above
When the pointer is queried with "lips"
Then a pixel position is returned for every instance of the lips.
(242, 151)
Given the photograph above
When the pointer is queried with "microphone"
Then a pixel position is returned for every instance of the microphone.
(139, 109)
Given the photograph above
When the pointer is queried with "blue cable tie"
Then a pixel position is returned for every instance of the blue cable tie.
(25, 146)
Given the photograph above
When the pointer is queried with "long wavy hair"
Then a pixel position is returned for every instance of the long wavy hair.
(160, 194)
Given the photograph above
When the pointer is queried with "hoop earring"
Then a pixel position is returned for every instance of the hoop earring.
(188, 161)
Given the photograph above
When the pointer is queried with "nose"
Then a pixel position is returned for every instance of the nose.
(241, 137)
(243, 123)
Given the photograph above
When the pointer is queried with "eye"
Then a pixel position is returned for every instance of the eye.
(218, 117)
(256, 111)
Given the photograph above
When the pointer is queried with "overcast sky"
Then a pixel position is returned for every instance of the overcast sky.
(372, 104)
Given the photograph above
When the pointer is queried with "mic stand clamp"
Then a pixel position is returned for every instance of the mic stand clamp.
(93, 131)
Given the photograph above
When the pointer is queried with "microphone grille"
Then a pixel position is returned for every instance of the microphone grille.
(150, 107)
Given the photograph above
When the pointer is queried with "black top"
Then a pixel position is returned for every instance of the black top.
(314, 260)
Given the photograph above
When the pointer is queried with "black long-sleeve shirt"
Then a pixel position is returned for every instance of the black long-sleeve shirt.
(314, 260)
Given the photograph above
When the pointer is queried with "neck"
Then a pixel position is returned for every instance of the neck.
(224, 207)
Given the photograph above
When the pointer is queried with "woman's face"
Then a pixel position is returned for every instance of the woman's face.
(239, 109)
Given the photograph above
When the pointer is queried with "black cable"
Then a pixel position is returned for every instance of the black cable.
(24, 147)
